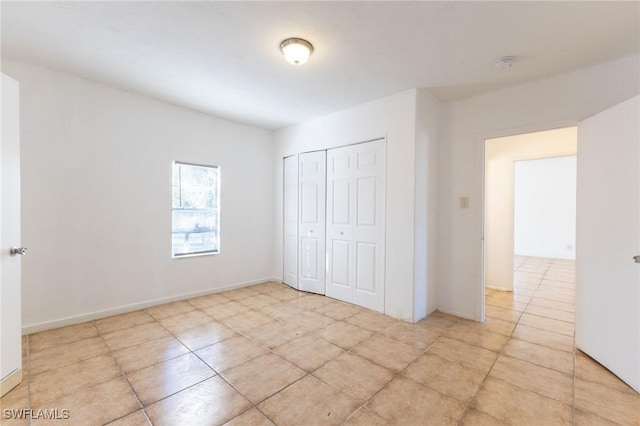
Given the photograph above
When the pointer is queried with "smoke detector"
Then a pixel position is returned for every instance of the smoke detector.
(505, 62)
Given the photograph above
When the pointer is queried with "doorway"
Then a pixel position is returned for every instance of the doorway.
(546, 313)
(529, 221)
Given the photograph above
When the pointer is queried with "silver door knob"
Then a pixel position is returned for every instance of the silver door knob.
(636, 258)
(18, 250)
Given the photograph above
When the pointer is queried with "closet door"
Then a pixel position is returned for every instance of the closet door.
(312, 197)
(356, 224)
(369, 224)
(340, 272)
(291, 221)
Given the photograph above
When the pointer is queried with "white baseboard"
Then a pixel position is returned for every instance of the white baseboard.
(456, 313)
(10, 381)
(493, 287)
(76, 319)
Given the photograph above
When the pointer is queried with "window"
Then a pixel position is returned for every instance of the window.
(195, 228)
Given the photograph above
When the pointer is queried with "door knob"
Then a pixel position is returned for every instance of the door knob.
(636, 258)
(18, 250)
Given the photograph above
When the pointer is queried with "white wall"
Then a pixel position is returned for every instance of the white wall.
(426, 229)
(500, 155)
(545, 207)
(392, 118)
(96, 206)
(555, 102)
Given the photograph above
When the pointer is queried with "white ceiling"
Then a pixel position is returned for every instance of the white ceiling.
(222, 58)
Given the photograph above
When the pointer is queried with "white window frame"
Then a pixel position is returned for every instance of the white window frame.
(217, 209)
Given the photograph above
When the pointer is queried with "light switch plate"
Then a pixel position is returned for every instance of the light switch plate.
(464, 202)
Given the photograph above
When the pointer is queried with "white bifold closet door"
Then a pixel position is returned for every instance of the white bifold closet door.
(305, 221)
(312, 222)
(291, 221)
(356, 224)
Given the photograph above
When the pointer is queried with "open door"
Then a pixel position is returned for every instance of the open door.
(10, 252)
(608, 238)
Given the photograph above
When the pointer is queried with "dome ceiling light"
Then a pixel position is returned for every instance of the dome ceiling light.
(296, 50)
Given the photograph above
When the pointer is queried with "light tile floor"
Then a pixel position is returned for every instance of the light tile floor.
(270, 355)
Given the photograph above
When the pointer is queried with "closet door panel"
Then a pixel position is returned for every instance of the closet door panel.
(340, 254)
(340, 217)
(366, 268)
(340, 200)
(355, 226)
(312, 237)
(340, 163)
(290, 252)
(309, 203)
(366, 201)
(309, 255)
(369, 229)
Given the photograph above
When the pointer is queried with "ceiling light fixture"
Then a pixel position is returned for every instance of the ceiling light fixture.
(296, 50)
(505, 62)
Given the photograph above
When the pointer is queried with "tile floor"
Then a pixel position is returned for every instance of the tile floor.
(270, 355)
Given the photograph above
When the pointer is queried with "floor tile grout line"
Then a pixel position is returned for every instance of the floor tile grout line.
(126, 378)
(529, 303)
(399, 373)
(573, 387)
(573, 376)
(573, 384)
(110, 352)
(396, 375)
(311, 373)
(29, 377)
(489, 371)
(253, 405)
(272, 350)
(349, 350)
(375, 333)
(481, 385)
(547, 307)
(314, 332)
(501, 353)
(192, 352)
(66, 365)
